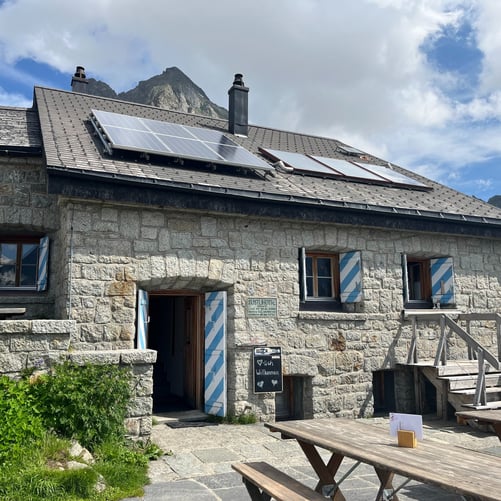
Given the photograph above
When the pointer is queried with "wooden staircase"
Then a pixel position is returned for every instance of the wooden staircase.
(475, 382)
(456, 384)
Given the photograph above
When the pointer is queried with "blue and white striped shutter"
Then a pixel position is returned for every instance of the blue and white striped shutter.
(142, 320)
(215, 353)
(405, 279)
(350, 274)
(302, 274)
(442, 280)
(43, 261)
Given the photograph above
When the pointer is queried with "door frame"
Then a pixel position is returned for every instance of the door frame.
(193, 362)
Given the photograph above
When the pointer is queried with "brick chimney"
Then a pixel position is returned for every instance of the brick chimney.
(79, 81)
(238, 109)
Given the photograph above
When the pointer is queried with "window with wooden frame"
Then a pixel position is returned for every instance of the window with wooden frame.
(329, 279)
(322, 278)
(23, 263)
(428, 282)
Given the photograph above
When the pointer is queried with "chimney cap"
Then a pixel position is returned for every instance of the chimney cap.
(80, 72)
(239, 80)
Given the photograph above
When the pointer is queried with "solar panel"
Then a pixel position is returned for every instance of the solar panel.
(125, 132)
(348, 169)
(391, 175)
(298, 161)
(342, 169)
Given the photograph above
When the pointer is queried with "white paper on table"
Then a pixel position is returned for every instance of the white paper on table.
(409, 422)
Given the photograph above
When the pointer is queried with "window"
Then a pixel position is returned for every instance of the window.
(330, 279)
(23, 263)
(321, 282)
(428, 282)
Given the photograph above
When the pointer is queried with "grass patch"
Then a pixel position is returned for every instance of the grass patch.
(40, 417)
(244, 418)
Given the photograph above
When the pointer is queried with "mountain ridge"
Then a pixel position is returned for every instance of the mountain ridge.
(172, 89)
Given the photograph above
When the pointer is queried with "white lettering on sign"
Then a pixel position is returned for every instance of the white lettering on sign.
(262, 307)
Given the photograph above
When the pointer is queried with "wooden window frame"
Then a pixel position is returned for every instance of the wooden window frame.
(335, 280)
(19, 241)
(424, 301)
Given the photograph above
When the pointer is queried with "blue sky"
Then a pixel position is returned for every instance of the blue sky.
(416, 82)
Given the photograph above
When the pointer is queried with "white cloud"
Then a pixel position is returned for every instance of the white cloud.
(9, 99)
(354, 70)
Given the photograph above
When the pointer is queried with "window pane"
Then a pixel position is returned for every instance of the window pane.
(8, 253)
(324, 267)
(7, 275)
(309, 286)
(324, 287)
(29, 265)
(30, 254)
(414, 275)
(28, 275)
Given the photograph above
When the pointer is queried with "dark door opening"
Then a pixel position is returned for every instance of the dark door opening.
(383, 390)
(175, 331)
(289, 403)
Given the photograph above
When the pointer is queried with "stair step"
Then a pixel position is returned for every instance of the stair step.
(489, 405)
(460, 368)
(470, 381)
(471, 391)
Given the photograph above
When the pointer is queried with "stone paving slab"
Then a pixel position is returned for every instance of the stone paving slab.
(200, 465)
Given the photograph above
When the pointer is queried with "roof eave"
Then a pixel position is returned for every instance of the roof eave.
(210, 197)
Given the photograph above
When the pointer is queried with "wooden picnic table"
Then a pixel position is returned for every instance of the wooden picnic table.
(484, 416)
(462, 471)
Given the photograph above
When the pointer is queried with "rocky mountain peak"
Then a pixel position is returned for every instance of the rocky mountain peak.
(172, 90)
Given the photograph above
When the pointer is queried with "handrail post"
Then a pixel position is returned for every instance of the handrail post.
(470, 349)
(412, 357)
(441, 356)
(480, 397)
(498, 334)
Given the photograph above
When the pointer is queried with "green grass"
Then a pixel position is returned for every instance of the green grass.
(244, 418)
(87, 403)
(123, 467)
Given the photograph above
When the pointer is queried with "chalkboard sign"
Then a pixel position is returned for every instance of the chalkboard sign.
(267, 367)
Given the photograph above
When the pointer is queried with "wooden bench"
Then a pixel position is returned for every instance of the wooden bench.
(264, 482)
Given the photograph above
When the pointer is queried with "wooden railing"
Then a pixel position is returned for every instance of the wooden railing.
(475, 350)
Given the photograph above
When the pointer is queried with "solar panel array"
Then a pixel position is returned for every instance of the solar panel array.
(339, 168)
(144, 135)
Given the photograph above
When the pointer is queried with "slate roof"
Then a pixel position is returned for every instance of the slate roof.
(19, 130)
(71, 146)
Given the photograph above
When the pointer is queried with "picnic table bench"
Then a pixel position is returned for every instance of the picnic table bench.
(471, 474)
(264, 482)
(484, 416)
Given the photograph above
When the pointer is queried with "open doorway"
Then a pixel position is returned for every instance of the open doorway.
(176, 332)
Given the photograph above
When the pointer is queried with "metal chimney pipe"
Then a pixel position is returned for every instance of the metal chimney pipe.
(79, 81)
(238, 109)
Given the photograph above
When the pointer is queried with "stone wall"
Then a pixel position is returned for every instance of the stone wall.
(26, 208)
(27, 344)
(101, 253)
(118, 249)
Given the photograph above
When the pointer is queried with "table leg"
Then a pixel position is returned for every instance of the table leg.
(386, 479)
(497, 429)
(325, 472)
